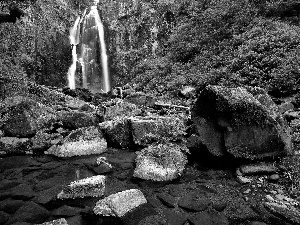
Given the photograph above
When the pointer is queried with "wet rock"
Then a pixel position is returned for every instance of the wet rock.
(31, 213)
(83, 141)
(192, 203)
(119, 108)
(4, 217)
(117, 132)
(154, 202)
(22, 191)
(138, 214)
(75, 220)
(46, 196)
(91, 186)
(77, 119)
(174, 217)
(61, 221)
(120, 203)
(209, 218)
(167, 200)
(274, 177)
(42, 140)
(261, 168)
(140, 99)
(219, 206)
(146, 130)
(11, 205)
(102, 166)
(160, 162)
(23, 117)
(288, 213)
(11, 145)
(66, 210)
(257, 223)
(233, 115)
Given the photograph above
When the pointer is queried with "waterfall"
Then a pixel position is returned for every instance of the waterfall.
(74, 40)
(88, 32)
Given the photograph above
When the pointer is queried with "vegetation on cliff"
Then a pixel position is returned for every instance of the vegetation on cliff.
(226, 42)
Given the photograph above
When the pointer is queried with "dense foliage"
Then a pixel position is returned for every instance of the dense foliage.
(227, 42)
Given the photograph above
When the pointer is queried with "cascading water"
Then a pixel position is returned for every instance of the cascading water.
(88, 32)
(74, 40)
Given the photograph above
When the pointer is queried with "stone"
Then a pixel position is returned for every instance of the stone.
(61, 221)
(174, 217)
(257, 223)
(75, 220)
(75, 119)
(219, 206)
(4, 217)
(138, 214)
(210, 136)
(248, 126)
(66, 210)
(48, 195)
(146, 130)
(192, 203)
(260, 168)
(288, 213)
(83, 141)
(187, 92)
(243, 180)
(102, 166)
(43, 140)
(23, 117)
(209, 218)
(14, 145)
(140, 99)
(274, 177)
(167, 200)
(11, 205)
(120, 203)
(160, 162)
(30, 213)
(117, 132)
(120, 108)
(89, 187)
(22, 191)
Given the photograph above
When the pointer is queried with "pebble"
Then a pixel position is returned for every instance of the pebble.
(274, 177)
(247, 191)
(270, 198)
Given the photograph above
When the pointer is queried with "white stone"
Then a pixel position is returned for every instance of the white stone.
(89, 187)
(120, 203)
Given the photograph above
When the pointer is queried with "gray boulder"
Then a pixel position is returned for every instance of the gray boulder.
(244, 122)
(10, 145)
(120, 203)
(150, 129)
(160, 162)
(83, 141)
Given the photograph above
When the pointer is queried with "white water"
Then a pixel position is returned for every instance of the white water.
(106, 82)
(74, 40)
(85, 60)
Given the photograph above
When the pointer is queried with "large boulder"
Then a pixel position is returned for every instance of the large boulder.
(120, 203)
(244, 122)
(119, 108)
(150, 129)
(23, 117)
(117, 132)
(160, 162)
(83, 141)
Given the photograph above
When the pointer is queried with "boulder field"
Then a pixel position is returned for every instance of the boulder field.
(114, 161)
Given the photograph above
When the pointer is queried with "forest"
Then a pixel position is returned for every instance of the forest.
(200, 42)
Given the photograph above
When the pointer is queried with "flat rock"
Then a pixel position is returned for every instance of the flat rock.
(174, 217)
(160, 162)
(193, 203)
(209, 218)
(66, 210)
(146, 130)
(88, 187)
(261, 168)
(288, 213)
(4, 217)
(120, 203)
(138, 214)
(31, 213)
(167, 200)
(11, 205)
(83, 141)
